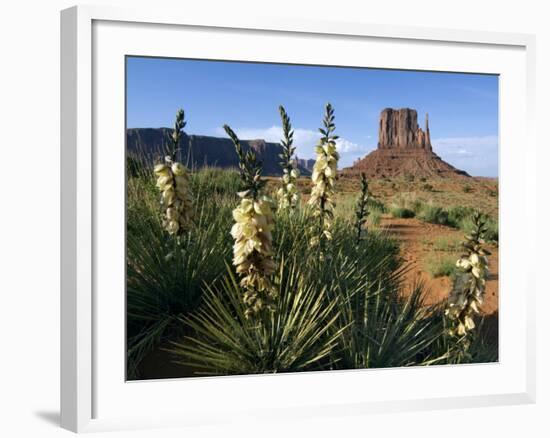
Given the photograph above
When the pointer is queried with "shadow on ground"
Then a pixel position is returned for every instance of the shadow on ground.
(51, 417)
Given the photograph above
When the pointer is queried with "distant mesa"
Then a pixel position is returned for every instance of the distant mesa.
(201, 150)
(403, 149)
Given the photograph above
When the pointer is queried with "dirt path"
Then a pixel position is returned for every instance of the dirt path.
(418, 239)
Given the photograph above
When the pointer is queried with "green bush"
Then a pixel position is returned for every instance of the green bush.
(458, 214)
(402, 212)
(433, 214)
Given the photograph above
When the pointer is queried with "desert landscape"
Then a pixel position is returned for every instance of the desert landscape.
(285, 218)
(413, 213)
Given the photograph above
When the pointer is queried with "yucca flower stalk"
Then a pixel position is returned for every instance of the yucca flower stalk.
(287, 194)
(469, 287)
(361, 211)
(322, 198)
(253, 248)
(173, 183)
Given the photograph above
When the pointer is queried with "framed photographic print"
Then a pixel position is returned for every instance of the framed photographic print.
(283, 218)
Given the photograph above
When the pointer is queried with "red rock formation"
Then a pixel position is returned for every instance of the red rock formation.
(403, 149)
(399, 129)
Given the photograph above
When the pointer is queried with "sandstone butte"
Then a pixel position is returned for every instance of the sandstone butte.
(404, 149)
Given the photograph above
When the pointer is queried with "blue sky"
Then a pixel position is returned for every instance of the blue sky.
(463, 108)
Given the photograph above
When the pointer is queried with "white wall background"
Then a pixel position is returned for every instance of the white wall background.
(29, 215)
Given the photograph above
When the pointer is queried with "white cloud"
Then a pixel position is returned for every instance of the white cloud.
(305, 141)
(467, 142)
(476, 155)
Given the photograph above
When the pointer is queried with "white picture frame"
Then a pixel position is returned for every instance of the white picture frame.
(93, 397)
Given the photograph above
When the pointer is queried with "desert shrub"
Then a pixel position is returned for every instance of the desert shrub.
(423, 179)
(440, 266)
(458, 214)
(433, 214)
(406, 200)
(457, 217)
(409, 177)
(467, 189)
(402, 212)
(428, 187)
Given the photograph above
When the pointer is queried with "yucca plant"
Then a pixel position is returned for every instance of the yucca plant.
(253, 248)
(479, 345)
(469, 287)
(468, 290)
(322, 199)
(287, 194)
(296, 336)
(173, 183)
(165, 277)
(387, 329)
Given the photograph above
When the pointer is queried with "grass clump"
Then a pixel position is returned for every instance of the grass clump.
(404, 205)
(402, 212)
(433, 214)
(446, 244)
(375, 217)
(457, 217)
(438, 265)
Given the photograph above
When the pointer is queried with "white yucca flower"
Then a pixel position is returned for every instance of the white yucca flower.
(173, 183)
(469, 286)
(253, 248)
(323, 179)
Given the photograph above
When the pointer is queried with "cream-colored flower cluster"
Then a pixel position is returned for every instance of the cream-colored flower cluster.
(288, 195)
(468, 290)
(253, 251)
(173, 183)
(324, 178)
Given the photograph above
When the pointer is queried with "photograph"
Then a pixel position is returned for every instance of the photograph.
(285, 218)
